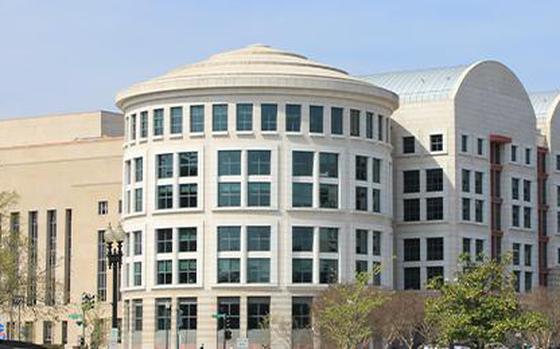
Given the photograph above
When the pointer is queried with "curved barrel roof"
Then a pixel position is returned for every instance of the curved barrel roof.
(544, 103)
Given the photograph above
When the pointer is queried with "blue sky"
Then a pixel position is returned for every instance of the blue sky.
(66, 56)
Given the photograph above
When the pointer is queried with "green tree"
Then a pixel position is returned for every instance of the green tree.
(341, 312)
(480, 307)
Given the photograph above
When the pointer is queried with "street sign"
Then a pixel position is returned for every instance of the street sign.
(75, 316)
(2, 331)
(218, 315)
(242, 343)
(2, 328)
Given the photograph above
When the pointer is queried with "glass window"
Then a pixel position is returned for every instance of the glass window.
(229, 163)
(434, 179)
(197, 118)
(301, 312)
(164, 272)
(258, 270)
(513, 153)
(269, 116)
(259, 194)
(302, 270)
(176, 120)
(165, 165)
(434, 209)
(188, 164)
(229, 238)
(464, 143)
(361, 198)
(516, 249)
(466, 180)
(302, 239)
(258, 309)
(328, 240)
(158, 122)
(144, 124)
(528, 255)
(369, 125)
(515, 215)
(163, 314)
(259, 162)
(361, 241)
(408, 145)
(258, 238)
(354, 123)
(380, 127)
(187, 239)
(229, 306)
(361, 267)
(361, 168)
(328, 165)
(138, 170)
(137, 275)
(244, 117)
(467, 248)
(376, 200)
(411, 208)
(187, 314)
(133, 126)
(527, 156)
(411, 250)
(188, 194)
(337, 121)
(376, 243)
(515, 188)
(480, 146)
(527, 190)
(138, 195)
(528, 281)
(412, 278)
(302, 194)
(411, 181)
(436, 142)
(302, 163)
(328, 271)
(434, 273)
(376, 170)
(228, 270)
(164, 197)
(293, 117)
(219, 117)
(434, 249)
(137, 242)
(466, 209)
(187, 271)
(315, 119)
(164, 240)
(478, 180)
(328, 195)
(479, 210)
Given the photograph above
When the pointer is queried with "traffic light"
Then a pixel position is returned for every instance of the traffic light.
(82, 341)
(228, 322)
(227, 334)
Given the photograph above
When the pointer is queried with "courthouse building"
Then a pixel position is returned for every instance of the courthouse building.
(250, 181)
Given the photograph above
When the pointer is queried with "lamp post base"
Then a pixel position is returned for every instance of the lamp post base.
(114, 338)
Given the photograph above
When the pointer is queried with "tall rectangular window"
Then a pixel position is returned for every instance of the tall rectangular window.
(163, 314)
(361, 168)
(258, 309)
(188, 195)
(137, 274)
(376, 243)
(165, 165)
(478, 182)
(176, 120)
(187, 239)
(464, 143)
(526, 190)
(101, 267)
(411, 181)
(197, 119)
(515, 188)
(527, 156)
(337, 121)
(137, 235)
(293, 118)
(244, 120)
(466, 180)
(158, 122)
(361, 198)
(186, 270)
(32, 236)
(328, 195)
(302, 270)
(144, 124)
(301, 312)
(434, 249)
(328, 271)
(411, 208)
(513, 153)
(50, 258)
(369, 125)
(436, 142)
(164, 240)
(376, 170)
(515, 253)
(361, 241)
(133, 127)
(187, 314)
(164, 272)
(412, 278)
(164, 197)
(466, 209)
(231, 307)
(258, 238)
(379, 127)
(269, 117)
(188, 164)
(434, 180)
(528, 255)
(328, 240)
(219, 117)
(515, 221)
(376, 200)
(408, 145)
(138, 170)
(67, 254)
(138, 195)
(137, 315)
(434, 209)
(480, 146)
(315, 119)
(355, 123)
(411, 250)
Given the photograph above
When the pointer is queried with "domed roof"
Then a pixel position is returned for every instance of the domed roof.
(255, 66)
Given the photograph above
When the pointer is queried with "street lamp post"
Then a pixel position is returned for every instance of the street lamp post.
(18, 301)
(114, 239)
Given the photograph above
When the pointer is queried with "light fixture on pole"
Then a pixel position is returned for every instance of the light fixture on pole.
(114, 238)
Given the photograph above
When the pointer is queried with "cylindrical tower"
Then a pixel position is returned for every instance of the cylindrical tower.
(251, 181)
